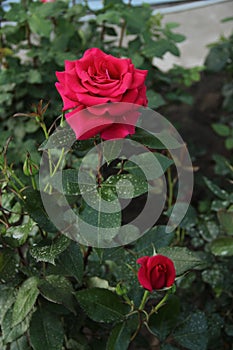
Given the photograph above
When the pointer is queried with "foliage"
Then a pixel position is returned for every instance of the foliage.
(56, 293)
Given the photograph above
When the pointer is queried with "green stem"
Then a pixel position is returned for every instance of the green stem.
(137, 330)
(59, 162)
(16, 179)
(9, 173)
(170, 188)
(53, 171)
(182, 234)
(33, 183)
(144, 300)
(123, 27)
(161, 303)
(43, 126)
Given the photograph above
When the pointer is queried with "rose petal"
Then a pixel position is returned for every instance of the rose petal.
(98, 78)
(68, 103)
(142, 275)
(117, 131)
(171, 273)
(86, 125)
(157, 271)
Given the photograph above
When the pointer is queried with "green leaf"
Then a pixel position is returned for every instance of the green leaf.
(25, 300)
(217, 57)
(209, 230)
(165, 320)
(229, 143)
(183, 97)
(78, 344)
(20, 344)
(190, 218)
(31, 126)
(227, 19)
(7, 298)
(111, 150)
(40, 26)
(16, 13)
(226, 220)
(183, 258)
(58, 290)
(221, 129)
(82, 146)
(217, 191)
(19, 234)
(156, 48)
(64, 32)
(48, 253)
(111, 2)
(34, 77)
(34, 205)
(67, 182)
(62, 137)
(155, 100)
(156, 236)
(46, 331)
(11, 333)
(221, 166)
(71, 262)
(134, 45)
(96, 282)
(52, 9)
(222, 246)
(131, 16)
(173, 49)
(102, 305)
(119, 338)
(219, 205)
(172, 25)
(152, 164)
(147, 139)
(178, 38)
(168, 347)
(126, 185)
(98, 226)
(215, 277)
(8, 264)
(193, 333)
(151, 141)
(110, 16)
(137, 59)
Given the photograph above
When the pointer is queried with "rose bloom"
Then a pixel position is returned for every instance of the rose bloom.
(47, 0)
(88, 85)
(156, 272)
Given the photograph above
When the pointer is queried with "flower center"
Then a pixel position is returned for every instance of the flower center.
(161, 267)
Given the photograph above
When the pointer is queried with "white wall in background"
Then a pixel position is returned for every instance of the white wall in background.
(201, 27)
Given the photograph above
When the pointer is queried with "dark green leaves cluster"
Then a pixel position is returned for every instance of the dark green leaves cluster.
(56, 294)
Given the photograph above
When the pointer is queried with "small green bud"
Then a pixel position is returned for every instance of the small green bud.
(121, 290)
(29, 167)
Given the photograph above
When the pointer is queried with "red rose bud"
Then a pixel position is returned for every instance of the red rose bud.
(97, 79)
(29, 167)
(156, 272)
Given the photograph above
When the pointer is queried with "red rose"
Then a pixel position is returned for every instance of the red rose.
(156, 272)
(97, 79)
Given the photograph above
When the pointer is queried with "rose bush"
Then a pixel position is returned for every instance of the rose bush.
(156, 272)
(99, 79)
